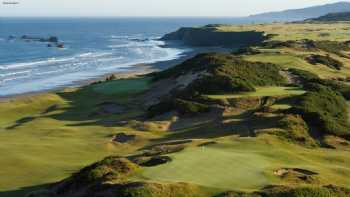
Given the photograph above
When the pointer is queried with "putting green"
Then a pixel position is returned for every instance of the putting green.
(123, 86)
(213, 167)
(248, 164)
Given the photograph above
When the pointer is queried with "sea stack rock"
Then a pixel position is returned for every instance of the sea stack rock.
(209, 36)
(53, 39)
(60, 45)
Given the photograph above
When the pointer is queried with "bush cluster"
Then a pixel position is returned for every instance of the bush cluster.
(325, 108)
(337, 86)
(224, 74)
(325, 60)
(304, 75)
(246, 51)
(218, 85)
(219, 64)
(296, 130)
(332, 47)
(184, 107)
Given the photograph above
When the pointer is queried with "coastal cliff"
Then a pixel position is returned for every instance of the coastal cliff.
(210, 37)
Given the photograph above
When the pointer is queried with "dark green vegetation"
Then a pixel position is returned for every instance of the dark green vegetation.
(332, 17)
(281, 191)
(303, 75)
(325, 108)
(217, 74)
(296, 130)
(224, 73)
(325, 60)
(208, 36)
(337, 86)
(333, 47)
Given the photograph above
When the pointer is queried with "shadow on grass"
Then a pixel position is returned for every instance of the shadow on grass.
(20, 122)
(244, 125)
(22, 192)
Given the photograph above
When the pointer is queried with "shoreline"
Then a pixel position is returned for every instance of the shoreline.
(133, 71)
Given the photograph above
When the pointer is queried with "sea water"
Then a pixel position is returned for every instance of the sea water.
(92, 47)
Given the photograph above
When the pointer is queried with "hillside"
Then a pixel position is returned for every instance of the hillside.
(208, 37)
(304, 13)
(340, 16)
(268, 120)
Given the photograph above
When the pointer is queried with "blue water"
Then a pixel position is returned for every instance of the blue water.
(93, 47)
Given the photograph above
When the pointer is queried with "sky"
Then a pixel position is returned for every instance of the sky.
(166, 8)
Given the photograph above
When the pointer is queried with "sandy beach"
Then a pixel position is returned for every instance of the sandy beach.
(132, 71)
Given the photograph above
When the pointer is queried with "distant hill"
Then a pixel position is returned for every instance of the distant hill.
(304, 13)
(340, 16)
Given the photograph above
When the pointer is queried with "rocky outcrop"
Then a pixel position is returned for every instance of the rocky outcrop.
(52, 39)
(210, 37)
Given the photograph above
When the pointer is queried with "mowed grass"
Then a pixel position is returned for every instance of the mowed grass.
(40, 146)
(248, 164)
(123, 86)
(263, 91)
(297, 31)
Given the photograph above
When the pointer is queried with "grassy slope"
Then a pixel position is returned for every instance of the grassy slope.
(295, 31)
(291, 58)
(248, 164)
(49, 147)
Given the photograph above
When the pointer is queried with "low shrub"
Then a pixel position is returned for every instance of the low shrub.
(332, 47)
(140, 189)
(110, 168)
(218, 85)
(325, 60)
(296, 130)
(334, 85)
(160, 108)
(189, 107)
(179, 105)
(217, 64)
(304, 75)
(285, 191)
(246, 51)
(325, 108)
(306, 191)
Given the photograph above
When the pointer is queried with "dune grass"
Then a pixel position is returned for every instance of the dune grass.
(248, 163)
(263, 91)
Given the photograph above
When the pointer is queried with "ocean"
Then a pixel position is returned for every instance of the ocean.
(92, 47)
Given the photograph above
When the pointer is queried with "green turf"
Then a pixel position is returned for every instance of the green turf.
(263, 91)
(295, 31)
(124, 86)
(248, 164)
(39, 148)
